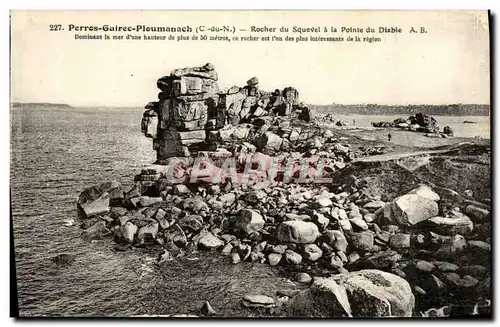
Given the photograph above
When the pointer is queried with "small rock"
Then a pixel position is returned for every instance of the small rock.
(381, 260)
(312, 252)
(258, 301)
(424, 266)
(274, 258)
(479, 245)
(369, 217)
(96, 207)
(336, 263)
(165, 256)
(292, 257)
(191, 223)
(248, 221)
(390, 228)
(209, 241)
(374, 205)
(207, 309)
(353, 257)
(96, 231)
(64, 259)
(345, 224)
(145, 201)
(128, 230)
(336, 239)
(418, 290)
(180, 189)
(358, 224)
(280, 248)
(451, 247)
(460, 224)
(445, 266)
(148, 232)
(303, 278)
(362, 241)
(322, 202)
(227, 249)
(399, 241)
(410, 209)
(320, 220)
(235, 258)
(474, 271)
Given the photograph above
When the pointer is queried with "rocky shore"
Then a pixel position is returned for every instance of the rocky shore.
(249, 175)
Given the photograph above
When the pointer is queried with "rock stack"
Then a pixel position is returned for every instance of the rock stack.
(180, 115)
(192, 115)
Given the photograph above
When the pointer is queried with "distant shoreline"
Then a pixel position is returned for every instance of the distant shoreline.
(404, 110)
(41, 104)
(335, 109)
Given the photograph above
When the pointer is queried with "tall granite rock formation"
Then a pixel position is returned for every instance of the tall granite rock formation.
(192, 114)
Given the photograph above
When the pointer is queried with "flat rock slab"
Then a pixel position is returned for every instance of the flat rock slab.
(258, 301)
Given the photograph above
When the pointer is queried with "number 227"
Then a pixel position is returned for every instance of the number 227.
(54, 28)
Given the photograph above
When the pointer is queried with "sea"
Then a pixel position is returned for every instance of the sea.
(55, 154)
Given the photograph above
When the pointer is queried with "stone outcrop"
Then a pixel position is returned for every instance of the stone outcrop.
(365, 293)
(193, 115)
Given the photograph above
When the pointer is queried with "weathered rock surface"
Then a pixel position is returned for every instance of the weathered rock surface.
(325, 298)
(300, 232)
(248, 221)
(374, 293)
(410, 209)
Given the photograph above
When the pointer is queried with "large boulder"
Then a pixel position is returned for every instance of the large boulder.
(375, 293)
(410, 209)
(296, 231)
(247, 221)
(425, 192)
(325, 298)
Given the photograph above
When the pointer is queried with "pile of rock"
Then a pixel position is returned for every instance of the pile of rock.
(441, 254)
(418, 123)
(192, 115)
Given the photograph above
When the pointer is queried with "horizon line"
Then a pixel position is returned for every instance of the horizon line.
(308, 104)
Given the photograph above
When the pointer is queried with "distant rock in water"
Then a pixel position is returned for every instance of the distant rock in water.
(64, 259)
(469, 122)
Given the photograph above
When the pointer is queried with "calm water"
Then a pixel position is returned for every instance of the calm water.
(57, 153)
(54, 155)
(481, 128)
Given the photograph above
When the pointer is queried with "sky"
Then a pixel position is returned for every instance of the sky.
(448, 64)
